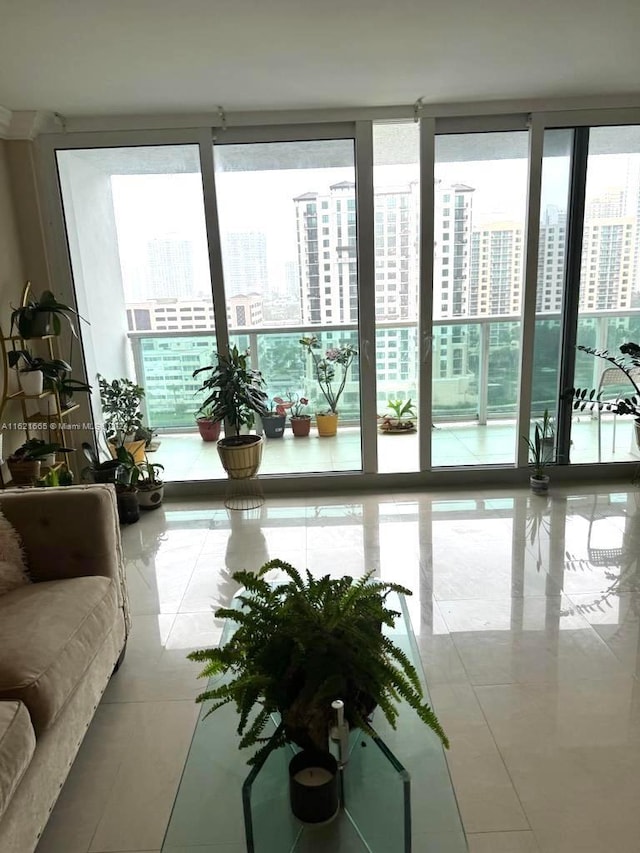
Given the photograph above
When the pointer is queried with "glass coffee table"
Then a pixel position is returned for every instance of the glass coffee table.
(397, 789)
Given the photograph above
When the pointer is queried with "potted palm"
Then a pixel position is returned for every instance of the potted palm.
(541, 454)
(235, 395)
(304, 644)
(208, 426)
(331, 373)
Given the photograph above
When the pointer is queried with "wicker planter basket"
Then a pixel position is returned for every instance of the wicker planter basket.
(241, 455)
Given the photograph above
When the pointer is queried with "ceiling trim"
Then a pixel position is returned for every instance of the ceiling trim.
(27, 124)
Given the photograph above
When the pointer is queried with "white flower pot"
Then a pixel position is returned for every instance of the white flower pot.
(31, 382)
(47, 405)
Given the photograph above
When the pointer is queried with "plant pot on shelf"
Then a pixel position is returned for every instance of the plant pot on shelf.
(273, 425)
(327, 423)
(24, 473)
(313, 786)
(31, 382)
(301, 426)
(209, 430)
(48, 405)
(241, 455)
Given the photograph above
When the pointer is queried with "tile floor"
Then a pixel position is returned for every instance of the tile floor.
(527, 615)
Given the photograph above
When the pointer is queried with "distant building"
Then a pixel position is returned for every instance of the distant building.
(244, 260)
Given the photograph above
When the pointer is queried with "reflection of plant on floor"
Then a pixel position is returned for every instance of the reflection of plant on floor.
(538, 522)
(624, 581)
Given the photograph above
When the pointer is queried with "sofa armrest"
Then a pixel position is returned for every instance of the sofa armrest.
(69, 532)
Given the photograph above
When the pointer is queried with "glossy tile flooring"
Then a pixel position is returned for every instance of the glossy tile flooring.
(186, 457)
(527, 615)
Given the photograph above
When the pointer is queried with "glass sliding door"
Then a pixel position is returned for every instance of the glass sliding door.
(287, 214)
(139, 254)
(550, 290)
(479, 227)
(609, 310)
(396, 180)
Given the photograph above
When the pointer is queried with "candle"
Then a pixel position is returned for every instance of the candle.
(312, 777)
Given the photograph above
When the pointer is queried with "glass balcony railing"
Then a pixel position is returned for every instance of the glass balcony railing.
(476, 365)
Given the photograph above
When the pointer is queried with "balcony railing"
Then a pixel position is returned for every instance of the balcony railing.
(476, 363)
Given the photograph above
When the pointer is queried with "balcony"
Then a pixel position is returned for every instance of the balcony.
(475, 387)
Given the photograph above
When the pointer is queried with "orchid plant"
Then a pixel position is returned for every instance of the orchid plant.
(294, 403)
(330, 380)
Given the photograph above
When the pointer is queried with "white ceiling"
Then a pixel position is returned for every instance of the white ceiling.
(81, 57)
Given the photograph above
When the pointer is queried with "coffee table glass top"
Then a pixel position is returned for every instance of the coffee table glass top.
(207, 815)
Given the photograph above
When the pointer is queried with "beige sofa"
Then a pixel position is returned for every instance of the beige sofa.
(60, 640)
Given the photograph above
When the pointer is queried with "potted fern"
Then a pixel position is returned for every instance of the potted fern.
(303, 644)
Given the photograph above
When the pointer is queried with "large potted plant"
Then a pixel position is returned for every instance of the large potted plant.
(331, 373)
(120, 400)
(235, 394)
(302, 644)
(629, 365)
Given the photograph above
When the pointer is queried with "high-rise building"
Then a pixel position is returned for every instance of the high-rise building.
(170, 268)
(244, 260)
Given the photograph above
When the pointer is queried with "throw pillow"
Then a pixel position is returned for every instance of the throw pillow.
(13, 571)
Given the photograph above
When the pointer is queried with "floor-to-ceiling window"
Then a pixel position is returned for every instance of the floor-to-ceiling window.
(287, 213)
(138, 246)
(609, 303)
(479, 229)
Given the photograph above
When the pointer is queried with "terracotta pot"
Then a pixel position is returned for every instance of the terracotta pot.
(301, 426)
(327, 423)
(209, 430)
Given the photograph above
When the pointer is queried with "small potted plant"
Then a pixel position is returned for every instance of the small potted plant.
(37, 318)
(150, 486)
(36, 373)
(301, 645)
(541, 455)
(24, 463)
(402, 419)
(208, 426)
(299, 419)
(97, 471)
(274, 420)
(67, 387)
(120, 400)
(235, 395)
(331, 373)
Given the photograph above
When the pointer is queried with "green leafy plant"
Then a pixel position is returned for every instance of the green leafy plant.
(402, 408)
(330, 380)
(539, 446)
(149, 474)
(35, 448)
(300, 645)
(51, 368)
(97, 471)
(39, 317)
(120, 400)
(235, 391)
(629, 364)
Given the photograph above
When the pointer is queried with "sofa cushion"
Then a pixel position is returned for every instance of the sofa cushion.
(49, 634)
(17, 745)
(13, 572)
